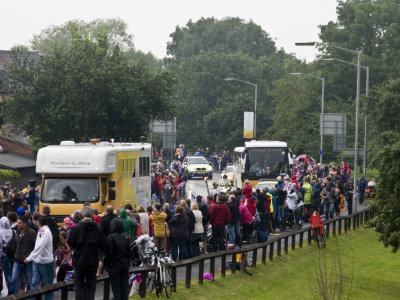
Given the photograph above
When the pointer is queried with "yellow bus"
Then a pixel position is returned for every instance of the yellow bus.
(101, 173)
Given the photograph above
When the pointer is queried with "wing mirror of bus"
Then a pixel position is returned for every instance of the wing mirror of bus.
(111, 183)
(111, 195)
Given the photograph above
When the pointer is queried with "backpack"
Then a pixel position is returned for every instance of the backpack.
(11, 246)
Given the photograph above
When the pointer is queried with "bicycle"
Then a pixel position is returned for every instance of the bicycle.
(320, 238)
(161, 278)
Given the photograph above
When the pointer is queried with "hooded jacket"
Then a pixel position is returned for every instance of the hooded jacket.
(128, 223)
(179, 227)
(308, 192)
(86, 239)
(158, 219)
(5, 234)
(105, 223)
(117, 249)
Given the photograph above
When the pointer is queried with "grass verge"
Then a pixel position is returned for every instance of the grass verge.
(374, 270)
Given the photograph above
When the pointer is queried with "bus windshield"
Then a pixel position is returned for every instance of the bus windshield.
(266, 163)
(70, 190)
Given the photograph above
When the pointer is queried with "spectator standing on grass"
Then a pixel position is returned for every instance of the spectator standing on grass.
(42, 258)
(117, 259)
(25, 240)
(86, 240)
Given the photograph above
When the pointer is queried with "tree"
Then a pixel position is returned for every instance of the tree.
(202, 55)
(62, 36)
(387, 204)
(115, 29)
(85, 90)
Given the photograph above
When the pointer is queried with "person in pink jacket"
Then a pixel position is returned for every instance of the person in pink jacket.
(247, 222)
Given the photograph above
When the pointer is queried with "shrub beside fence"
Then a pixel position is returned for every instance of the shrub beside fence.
(333, 227)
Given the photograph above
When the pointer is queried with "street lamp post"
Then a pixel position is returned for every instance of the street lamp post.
(366, 107)
(322, 109)
(255, 101)
(358, 53)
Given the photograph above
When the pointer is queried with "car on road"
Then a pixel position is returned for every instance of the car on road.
(266, 184)
(197, 166)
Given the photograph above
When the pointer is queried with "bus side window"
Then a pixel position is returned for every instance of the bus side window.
(144, 166)
(134, 169)
(103, 190)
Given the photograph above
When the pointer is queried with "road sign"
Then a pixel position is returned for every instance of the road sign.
(321, 152)
(333, 124)
(352, 152)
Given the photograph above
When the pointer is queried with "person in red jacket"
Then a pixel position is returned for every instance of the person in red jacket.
(158, 184)
(219, 217)
(247, 190)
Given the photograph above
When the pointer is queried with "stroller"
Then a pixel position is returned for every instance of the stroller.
(291, 219)
(139, 248)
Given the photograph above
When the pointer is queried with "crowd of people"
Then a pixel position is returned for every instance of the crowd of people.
(34, 250)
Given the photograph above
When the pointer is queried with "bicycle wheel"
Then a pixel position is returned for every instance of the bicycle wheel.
(159, 283)
(167, 282)
(151, 281)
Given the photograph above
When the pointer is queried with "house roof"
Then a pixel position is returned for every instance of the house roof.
(14, 160)
(6, 59)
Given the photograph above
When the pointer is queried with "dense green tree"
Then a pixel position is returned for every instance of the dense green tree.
(87, 89)
(386, 203)
(115, 29)
(383, 111)
(224, 36)
(202, 55)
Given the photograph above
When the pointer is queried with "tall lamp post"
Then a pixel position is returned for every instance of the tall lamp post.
(366, 107)
(358, 53)
(255, 100)
(322, 108)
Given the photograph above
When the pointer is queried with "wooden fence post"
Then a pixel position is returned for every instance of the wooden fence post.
(173, 278)
(327, 228)
(64, 293)
(301, 239)
(354, 222)
(201, 271)
(142, 285)
(293, 241)
(264, 255)
(286, 244)
(334, 227)
(212, 265)
(254, 258)
(309, 236)
(223, 265)
(243, 262)
(188, 275)
(340, 227)
(279, 247)
(271, 251)
(358, 221)
(233, 266)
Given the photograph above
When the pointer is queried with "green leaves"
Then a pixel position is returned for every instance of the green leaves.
(84, 90)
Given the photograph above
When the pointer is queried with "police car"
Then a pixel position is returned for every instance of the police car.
(197, 166)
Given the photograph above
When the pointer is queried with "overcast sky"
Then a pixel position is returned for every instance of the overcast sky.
(152, 21)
